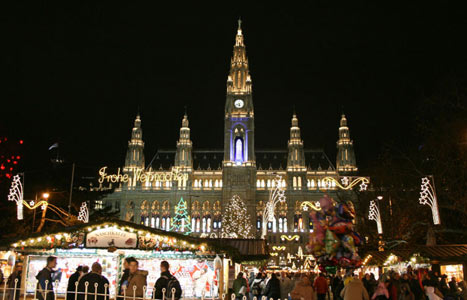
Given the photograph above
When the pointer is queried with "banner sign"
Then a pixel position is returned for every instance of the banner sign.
(142, 176)
(111, 237)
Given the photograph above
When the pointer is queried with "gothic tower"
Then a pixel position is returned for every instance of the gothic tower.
(135, 154)
(239, 166)
(183, 157)
(345, 162)
(296, 168)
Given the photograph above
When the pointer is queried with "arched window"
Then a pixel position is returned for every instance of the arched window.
(294, 181)
(262, 183)
(258, 183)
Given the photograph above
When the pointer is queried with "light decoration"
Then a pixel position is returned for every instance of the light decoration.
(16, 194)
(83, 215)
(428, 197)
(345, 181)
(363, 181)
(274, 254)
(390, 260)
(308, 204)
(236, 221)
(374, 215)
(367, 259)
(278, 248)
(290, 237)
(300, 252)
(276, 195)
(146, 238)
(181, 221)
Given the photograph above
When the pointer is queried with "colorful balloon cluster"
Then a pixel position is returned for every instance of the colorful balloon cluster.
(333, 241)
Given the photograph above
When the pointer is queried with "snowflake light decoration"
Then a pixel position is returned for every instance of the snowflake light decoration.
(428, 197)
(374, 215)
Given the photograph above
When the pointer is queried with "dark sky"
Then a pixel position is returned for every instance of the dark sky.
(77, 74)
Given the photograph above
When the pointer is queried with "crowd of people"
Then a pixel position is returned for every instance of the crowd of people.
(85, 281)
(390, 286)
(411, 285)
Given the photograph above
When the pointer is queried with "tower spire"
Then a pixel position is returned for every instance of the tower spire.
(239, 80)
(296, 159)
(134, 160)
(183, 157)
(345, 162)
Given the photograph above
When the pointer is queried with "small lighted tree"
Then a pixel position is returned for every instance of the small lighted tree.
(236, 221)
(181, 220)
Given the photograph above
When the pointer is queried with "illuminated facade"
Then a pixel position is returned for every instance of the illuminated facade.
(215, 176)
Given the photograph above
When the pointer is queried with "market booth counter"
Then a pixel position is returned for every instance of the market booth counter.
(450, 260)
(201, 265)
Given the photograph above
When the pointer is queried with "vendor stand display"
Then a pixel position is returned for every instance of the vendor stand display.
(199, 264)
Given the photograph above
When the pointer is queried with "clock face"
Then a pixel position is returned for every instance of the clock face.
(238, 103)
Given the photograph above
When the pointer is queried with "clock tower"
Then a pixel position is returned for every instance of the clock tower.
(239, 165)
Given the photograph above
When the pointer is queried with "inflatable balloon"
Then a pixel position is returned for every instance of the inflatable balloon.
(331, 243)
(348, 243)
(341, 227)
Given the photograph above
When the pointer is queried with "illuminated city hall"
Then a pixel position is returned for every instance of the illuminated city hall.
(210, 178)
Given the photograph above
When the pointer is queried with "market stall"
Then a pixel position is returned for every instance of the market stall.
(201, 265)
(450, 260)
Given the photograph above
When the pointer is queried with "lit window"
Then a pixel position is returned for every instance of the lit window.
(208, 226)
(204, 224)
(157, 222)
(167, 224)
(280, 224)
(238, 150)
(285, 224)
(262, 182)
(153, 222)
(274, 225)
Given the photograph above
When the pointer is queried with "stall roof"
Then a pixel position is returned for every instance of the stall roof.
(237, 249)
(437, 252)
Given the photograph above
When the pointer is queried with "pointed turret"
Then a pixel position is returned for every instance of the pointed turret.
(296, 168)
(239, 80)
(345, 162)
(183, 157)
(135, 154)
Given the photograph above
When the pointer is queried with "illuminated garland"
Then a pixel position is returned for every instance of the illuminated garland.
(428, 197)
(34, 205)
(308, 204)
(362, 180)
(290, 237)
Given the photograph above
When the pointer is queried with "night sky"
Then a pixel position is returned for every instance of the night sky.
(77, 74)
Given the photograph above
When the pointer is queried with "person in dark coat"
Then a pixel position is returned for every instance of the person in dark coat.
(95, 276)
(273, 288)
(125, 275)
(163, 283)
(45, 280)
(16, 274)
(71, 288)
(415, 287)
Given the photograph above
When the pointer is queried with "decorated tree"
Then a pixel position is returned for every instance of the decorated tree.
(181, 220)
(236, 222)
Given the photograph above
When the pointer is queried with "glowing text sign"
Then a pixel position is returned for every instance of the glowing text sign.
(142, 176)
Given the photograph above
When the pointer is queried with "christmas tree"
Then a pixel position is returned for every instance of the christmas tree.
(236, 222)
(181, 220)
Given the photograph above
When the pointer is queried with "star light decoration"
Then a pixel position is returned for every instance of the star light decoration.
(16, 194)
(276, 195)
(83, 215)
(374, 215)
(428, 197)
(347, 184)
